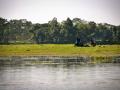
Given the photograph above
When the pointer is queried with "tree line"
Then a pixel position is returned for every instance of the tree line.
(23, 31)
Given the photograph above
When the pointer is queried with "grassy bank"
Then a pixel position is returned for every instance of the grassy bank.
(59, 50)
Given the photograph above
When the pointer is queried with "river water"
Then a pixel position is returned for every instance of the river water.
(60, 77)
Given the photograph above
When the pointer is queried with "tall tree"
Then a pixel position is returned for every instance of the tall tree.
(69, 31)
(54, 30)
(3, 31)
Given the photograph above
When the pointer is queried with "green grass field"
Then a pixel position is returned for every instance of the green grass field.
(59, 50)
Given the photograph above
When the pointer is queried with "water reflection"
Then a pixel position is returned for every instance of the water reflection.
(60, 77)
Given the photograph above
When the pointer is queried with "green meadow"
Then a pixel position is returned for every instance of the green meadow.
(58, 50)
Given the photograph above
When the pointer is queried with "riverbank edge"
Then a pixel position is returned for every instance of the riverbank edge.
(47, 59)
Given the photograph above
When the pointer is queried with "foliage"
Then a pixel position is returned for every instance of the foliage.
(23, 31)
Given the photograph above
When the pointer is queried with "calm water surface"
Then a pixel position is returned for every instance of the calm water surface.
(60, 77)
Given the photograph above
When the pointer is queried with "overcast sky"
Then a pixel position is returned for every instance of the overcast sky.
(41, 11)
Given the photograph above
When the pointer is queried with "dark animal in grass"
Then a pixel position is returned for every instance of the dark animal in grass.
(79, 42)
(93, 43)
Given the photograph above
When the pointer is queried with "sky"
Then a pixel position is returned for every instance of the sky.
(42, 11)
